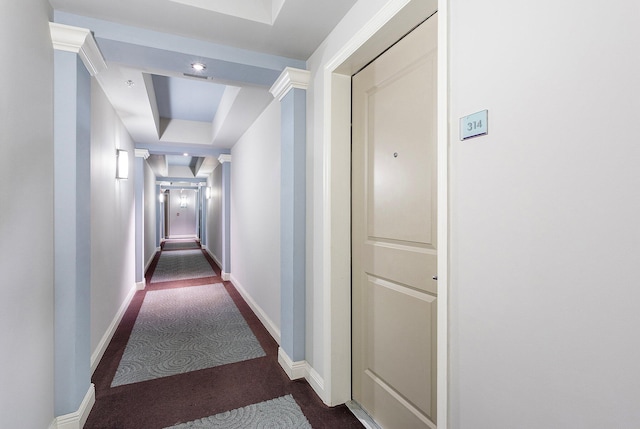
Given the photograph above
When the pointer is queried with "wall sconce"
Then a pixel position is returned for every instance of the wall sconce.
(161, 197)
(122, 164)
(208, 192)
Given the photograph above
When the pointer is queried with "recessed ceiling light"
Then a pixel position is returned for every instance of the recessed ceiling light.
(185, 154)
(198, 67)
(130, 83)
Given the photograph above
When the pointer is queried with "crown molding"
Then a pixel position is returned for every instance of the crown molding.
(290, 78)
(224, 158)
(142, 153)
(79, 41)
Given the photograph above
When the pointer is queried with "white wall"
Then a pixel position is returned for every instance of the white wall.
(545, 237)
(149, 221)
(255, 212)
(26, 217)
(543, 216)
(214, 215)
(112, 216)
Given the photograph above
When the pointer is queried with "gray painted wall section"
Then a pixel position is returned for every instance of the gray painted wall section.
(159, 218)
(72, 231)
(150, 214)
(292, 223)
(138, 186)
(214, 214)
(203, 221)
(226, 217)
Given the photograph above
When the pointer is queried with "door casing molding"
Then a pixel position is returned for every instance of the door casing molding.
(394, 20)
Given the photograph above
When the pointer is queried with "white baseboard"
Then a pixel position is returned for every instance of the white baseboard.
(225, 276)
(140, 285)
(106, 338)
(214, 257)
(294, 370)
(302, 369)
(146, 266)
(77, 419)
(266, 321)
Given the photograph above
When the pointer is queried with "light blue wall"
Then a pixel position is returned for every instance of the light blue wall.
(292, 223)
(226, 217)
(214, 214)
(138, 184)
(72, 230)
(159, 217)
(150, 213)
(203, 221)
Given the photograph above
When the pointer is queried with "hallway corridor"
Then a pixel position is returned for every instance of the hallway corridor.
(187, 396)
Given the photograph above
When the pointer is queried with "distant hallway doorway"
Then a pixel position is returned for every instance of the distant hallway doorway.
(182, 213)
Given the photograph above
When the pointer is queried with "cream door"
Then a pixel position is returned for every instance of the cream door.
(394, 233)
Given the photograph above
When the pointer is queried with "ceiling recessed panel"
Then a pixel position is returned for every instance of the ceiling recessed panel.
(292, 29)
(182, 160)
(263, 11)
(187, 99)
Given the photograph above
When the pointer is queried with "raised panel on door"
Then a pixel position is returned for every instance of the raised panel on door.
(394, 251)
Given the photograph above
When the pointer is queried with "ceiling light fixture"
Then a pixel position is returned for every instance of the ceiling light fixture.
(199, 67)
(130, 83)
(185, 154)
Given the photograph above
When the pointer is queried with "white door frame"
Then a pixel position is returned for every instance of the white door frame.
(392, 21)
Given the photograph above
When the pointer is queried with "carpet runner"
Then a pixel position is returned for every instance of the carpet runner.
(180, 245)
(181, 265)
(278, 413)
(183, 330)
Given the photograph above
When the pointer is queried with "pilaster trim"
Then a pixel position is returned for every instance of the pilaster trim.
(294, 370)
(289, 79)
(224, 158)
(302, 369)
(142, 153)
(77, 419)
(79, 41)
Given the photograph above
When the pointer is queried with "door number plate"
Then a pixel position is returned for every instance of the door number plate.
(474, 125)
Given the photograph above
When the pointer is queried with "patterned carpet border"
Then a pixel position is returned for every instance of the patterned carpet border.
(181, 265)
(281, 412)
(183, 330)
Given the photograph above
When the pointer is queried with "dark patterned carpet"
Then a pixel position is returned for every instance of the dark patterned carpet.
(190, 396)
